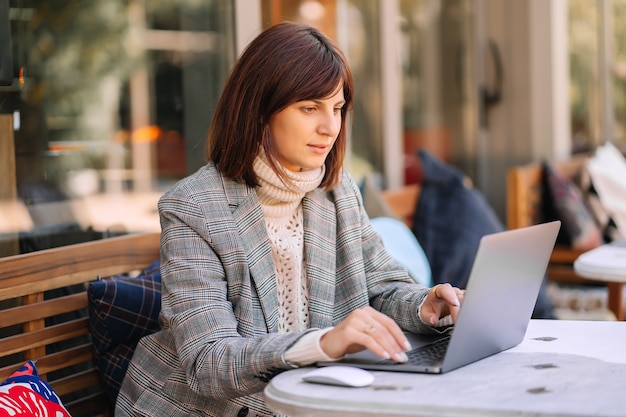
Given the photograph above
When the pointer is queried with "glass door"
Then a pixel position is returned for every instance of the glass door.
(440, 97)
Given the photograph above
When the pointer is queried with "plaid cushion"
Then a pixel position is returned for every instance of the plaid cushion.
(122, 310)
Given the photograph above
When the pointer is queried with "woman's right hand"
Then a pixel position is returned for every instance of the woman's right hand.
(366, 328)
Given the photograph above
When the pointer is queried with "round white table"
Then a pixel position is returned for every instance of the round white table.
(561, 368)
(606, 263)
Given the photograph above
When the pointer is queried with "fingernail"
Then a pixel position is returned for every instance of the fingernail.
(407, 344)
(386, 355)
(401, 357)
(456, 302)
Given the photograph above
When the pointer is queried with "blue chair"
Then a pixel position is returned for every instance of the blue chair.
(404, 248)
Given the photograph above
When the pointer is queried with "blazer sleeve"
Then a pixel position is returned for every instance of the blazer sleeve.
(390, 288)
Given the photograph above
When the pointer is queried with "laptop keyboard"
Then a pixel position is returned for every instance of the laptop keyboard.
(429, 354)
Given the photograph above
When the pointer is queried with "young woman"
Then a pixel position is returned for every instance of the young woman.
(268, 258)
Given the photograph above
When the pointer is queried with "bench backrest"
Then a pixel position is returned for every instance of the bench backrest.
(44, 316)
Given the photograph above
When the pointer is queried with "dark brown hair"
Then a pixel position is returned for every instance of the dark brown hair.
(287, 63)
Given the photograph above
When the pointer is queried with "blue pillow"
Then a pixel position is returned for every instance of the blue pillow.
(403, 247)
(122, 310)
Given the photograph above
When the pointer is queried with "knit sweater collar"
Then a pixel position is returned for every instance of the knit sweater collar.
(277, 198)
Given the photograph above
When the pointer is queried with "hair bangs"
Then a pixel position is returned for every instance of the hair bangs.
(322, 76)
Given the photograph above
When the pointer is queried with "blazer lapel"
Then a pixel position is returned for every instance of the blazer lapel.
(320, 228)
(250, 223)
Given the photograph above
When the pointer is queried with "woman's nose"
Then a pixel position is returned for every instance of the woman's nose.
(331, 124)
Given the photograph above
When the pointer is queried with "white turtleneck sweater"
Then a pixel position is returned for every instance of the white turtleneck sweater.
(282, 210)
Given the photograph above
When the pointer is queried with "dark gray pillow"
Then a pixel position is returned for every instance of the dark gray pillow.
(449, 221)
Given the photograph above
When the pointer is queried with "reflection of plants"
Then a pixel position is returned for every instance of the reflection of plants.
(73, 46)
(78, 57)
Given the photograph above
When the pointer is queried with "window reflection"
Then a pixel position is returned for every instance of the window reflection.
(114, 106)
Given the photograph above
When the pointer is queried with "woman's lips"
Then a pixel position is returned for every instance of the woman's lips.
(319, 148)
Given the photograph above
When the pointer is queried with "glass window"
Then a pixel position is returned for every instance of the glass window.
(619, 73)
(596, 77)
(439, 102)
(110, 104)
(584, 76)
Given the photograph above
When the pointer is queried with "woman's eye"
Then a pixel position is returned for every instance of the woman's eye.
(308, 109)
(338, 109)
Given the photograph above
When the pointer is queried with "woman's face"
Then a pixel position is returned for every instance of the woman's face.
(304, 132)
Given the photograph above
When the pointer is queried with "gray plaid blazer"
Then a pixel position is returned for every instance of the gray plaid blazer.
(219, 345)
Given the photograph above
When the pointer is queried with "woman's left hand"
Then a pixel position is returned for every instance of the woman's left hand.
(442, 299)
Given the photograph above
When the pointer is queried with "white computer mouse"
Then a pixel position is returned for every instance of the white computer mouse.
(345, 376)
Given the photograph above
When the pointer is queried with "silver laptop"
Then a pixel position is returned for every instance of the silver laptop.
(501, 293)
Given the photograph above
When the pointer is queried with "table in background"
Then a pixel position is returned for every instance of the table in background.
(561, 368)
(606, 263)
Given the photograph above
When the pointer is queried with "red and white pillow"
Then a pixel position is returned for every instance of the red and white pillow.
(25, 393)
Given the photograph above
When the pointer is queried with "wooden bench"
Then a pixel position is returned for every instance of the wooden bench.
(44, 313)
(524, 194)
